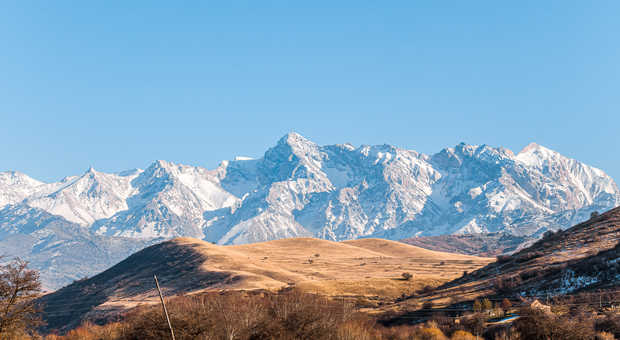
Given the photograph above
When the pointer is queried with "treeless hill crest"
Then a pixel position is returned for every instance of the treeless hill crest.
(191, 266)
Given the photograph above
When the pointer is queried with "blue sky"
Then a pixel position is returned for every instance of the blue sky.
(118, 84)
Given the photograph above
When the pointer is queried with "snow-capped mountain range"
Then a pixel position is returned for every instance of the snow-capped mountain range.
(299, 188)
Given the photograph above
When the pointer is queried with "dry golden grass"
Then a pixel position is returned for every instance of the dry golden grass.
(369, 269)
(399, 249)
(360, 267)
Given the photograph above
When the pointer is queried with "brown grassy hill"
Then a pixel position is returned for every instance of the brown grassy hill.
(584, 258)
(188, 266)
(398, 249)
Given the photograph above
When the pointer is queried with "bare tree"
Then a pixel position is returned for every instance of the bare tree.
(18, 288)
(506, 304)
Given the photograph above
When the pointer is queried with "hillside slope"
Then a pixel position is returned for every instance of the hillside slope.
(484, 244)
(582, 258)
(190, 266)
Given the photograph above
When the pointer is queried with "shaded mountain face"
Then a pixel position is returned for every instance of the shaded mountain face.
(60, 250)
(299, 188)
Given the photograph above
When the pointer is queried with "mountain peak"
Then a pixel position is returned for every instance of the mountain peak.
(14, 174)
(159, 168)
(89, 174)
(531, 147)
(296, 144)
(457, 151)
(465, 148)
(161, 164)
(293, 138)
(537, 148)
(17, 178)
(534, 154)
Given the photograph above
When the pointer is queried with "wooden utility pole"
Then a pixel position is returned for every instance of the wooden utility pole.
(163, 304)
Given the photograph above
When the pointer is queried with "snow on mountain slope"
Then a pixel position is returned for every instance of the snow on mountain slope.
(15, 187)
(384, 187)
(336, 192)
(281, 182)
(586, 184)
(485, 189)
(168, 200)
(341, 192)
(87, 198)
(60, 250)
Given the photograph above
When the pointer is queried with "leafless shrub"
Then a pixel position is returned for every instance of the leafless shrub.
(536, 324)
(426, 290)
(605, 336)
(528, 256)
(18, 288)
(503, 258)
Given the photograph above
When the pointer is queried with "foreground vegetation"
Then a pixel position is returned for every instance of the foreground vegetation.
(294, 314)
(19, 286)
(297, 315)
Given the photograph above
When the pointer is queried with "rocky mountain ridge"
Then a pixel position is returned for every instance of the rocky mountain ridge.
(298, 188)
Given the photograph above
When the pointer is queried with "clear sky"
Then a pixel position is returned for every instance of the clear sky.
(118, 84)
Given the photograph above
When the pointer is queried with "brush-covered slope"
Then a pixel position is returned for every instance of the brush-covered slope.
(584, 257)
(187, 266)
